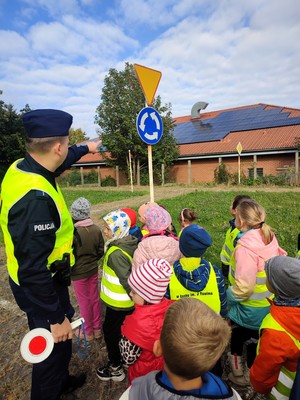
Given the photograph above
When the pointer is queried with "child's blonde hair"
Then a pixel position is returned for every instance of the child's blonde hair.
(254, 216)
(193, 338)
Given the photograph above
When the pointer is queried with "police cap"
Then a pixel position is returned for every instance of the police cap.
(47, 123)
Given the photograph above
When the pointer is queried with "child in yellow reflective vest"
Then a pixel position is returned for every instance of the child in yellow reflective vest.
(231, 235)
(278, 350)
(119, 249)
(247, 293)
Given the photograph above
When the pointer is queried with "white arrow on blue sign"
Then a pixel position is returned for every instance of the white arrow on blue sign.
(149, 125)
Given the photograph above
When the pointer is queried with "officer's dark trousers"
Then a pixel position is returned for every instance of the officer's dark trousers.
(49, 376)
(112, 332)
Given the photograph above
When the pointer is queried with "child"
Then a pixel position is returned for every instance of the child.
(193, 275)
(171, 229)
(187, 217)
(119, 249)
(141, 211)
(134, 230)
(140, 330)
(247, 295)
(231, 235)
(158, 243)
(278, 348)
(88, 249)
(192, 339)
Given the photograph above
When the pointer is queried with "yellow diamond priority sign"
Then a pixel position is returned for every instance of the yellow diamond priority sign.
(149, 80)
(239, 148)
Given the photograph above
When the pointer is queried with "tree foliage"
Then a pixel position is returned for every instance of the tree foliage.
(12, 134)
(77, 136)
(122, 100)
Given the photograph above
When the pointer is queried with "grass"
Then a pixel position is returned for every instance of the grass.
(213, 214)
(213, 210)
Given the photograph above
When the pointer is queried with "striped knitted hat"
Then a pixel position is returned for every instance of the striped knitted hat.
(151, 279)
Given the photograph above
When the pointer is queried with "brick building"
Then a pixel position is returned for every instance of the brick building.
(269, 137)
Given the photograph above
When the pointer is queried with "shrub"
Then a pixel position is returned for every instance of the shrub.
(221, 174)
(108, 181)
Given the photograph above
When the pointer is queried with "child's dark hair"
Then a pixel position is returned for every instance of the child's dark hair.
(238, 199)
(187, 214)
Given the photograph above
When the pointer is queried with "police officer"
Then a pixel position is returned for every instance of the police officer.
(38, 233)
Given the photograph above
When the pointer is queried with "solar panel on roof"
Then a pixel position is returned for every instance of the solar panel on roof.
(217, 128)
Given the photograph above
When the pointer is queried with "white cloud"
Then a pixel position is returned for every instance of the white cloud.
(228, 53)
(53, 7)
(12, 44)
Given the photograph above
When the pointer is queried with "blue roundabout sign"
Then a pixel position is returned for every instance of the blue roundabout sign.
(149, 125)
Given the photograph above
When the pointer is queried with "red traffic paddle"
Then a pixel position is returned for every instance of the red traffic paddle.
(38, 343)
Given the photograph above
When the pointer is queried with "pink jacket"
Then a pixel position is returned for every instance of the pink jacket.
(250, 256)
(160, 246)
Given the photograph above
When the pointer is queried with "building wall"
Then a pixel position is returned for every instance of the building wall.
(104, 173)
(202, 171)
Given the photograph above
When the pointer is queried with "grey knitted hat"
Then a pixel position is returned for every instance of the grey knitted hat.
(283, 273)
(80, 209)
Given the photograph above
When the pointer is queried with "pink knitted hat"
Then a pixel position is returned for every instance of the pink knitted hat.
(151, 279)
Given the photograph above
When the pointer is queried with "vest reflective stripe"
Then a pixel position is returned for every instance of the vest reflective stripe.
(112, 292)
(117, 296)
(110, 279)
(259, 296)
(282, 390)
(31, 181)
(228, 246)
(209, 295)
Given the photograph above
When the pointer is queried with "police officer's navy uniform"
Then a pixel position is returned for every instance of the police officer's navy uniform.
(38, 232)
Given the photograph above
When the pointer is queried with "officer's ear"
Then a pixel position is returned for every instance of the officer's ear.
(58, 146)
(157, 349)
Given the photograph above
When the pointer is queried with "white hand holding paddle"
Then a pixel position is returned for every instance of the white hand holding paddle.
(38, 343)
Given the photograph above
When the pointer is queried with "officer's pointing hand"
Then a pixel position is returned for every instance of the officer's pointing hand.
(93, 146)
(61, 332)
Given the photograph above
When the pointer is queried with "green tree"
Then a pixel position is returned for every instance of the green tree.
(12, 135)
(77, 136)
(122, 100)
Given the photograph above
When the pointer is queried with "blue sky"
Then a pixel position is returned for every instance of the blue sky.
(228, 53)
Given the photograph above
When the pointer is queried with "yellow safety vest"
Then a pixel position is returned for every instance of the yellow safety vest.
(259, 296)
(283, 387)
(15, 185)
(112, 292)
(209, 295)
(228, 246)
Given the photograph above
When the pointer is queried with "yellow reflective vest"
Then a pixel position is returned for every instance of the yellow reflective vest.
(282, 390)
(259, 296)
(11, 192)
(144, 232)
(228, 246)
(112, 292)
(209, 295)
